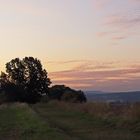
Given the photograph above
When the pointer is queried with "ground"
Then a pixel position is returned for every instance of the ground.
(56, 121)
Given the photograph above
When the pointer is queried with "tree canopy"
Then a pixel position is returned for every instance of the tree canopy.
(26, 78)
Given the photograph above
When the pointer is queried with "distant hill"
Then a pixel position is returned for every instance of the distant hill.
(131, 97)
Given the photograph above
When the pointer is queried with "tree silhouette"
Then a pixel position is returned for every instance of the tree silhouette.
(27, 77)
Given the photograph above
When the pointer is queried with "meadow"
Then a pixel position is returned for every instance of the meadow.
(69, 121)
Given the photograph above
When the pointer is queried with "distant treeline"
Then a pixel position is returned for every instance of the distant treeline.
(26, 81)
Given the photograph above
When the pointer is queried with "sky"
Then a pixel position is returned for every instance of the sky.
(84, 44)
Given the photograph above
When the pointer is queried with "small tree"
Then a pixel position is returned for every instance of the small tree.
(30, 80)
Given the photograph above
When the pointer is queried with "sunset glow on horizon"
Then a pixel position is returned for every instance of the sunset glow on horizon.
(84, 44)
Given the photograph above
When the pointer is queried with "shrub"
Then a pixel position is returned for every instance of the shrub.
(63, 93)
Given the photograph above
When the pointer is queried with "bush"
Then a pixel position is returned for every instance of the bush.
(63, 93)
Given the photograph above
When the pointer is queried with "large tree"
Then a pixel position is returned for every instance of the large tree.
(28, 77)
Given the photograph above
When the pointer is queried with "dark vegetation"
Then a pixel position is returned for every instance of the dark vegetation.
(26, 81)
(63, 93)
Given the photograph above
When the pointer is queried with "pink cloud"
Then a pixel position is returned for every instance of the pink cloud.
(122, 21)
(118, 37)
(114, 35)
(103, 77)
(121, 26)
(99, 4)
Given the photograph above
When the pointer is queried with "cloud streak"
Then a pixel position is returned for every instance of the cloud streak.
(123, 21)
(101, 77)
(123, 24)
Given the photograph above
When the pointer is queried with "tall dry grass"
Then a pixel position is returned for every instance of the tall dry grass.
(99, 109)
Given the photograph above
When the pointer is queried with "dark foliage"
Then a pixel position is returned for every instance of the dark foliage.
(24, 80)
(63, 93)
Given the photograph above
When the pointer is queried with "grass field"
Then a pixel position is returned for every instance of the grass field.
(66, 121)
